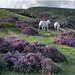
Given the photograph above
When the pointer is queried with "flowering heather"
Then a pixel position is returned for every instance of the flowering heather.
(69, 34)
(52, 52)
(23, 23)
(1, 40)
(36, 56)
(31, 48)
(5, 46)
(30, 31)
(38, 43)
(10, 59)
(17, 42)
(63, 40)
(26, 14)
(47, 50)
(13, 43)
(35, 22)
(67, 24)
(35, 62)
(49, 67)
(9, 18)
(2, 65)
(26, 63)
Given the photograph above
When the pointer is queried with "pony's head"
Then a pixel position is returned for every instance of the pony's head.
(48, 21)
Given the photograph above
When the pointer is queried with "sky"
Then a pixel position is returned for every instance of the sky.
(24, 4)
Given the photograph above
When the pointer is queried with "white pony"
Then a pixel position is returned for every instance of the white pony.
(44, 24)
(57, 26)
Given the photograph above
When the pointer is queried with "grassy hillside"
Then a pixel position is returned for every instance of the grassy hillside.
(44, 36)
(4, 12)
(50, 12)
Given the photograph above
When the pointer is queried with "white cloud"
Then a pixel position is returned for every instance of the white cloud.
(24, 4)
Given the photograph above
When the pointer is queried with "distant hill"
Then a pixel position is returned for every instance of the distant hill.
(57, 14)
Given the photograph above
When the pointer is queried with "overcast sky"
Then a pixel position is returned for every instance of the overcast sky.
(24, 4)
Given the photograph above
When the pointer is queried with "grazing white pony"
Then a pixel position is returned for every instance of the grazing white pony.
(57, 26)
(44, 24)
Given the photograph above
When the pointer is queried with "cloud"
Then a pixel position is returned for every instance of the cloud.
(24, 4)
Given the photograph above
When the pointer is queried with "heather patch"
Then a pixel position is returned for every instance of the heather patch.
(10, 60)
(5, 46)
(67, 24)
(2, 65)
(26, 14)
(52, 52)
(9, 18)
(17, 42)
(49, 67)
(69, 34)
(30, 31)
(23, 24)
(31, 62)
(35, 23)
(63, 40)
(27, 63)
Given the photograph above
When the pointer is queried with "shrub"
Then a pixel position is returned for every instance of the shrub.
(49, 67)
(29, 31)
(10, 60)
(26, 14)
(31, 48)
(27, 63)
(1, 40)
(2, 65)
(5, 46)
(69, 34)
(63, 40)
(13, 43)
(23, 24)
(52, 52)
(35, 22)
(9, 18)
(67, 24)
(17, 42)
(35, 62)
(47, 50)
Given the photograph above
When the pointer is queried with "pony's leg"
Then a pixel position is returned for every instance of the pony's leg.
(47, 28)
(57, 29)
(42, 27)
(39, 27)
